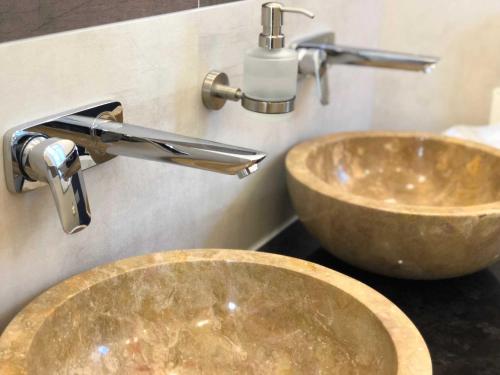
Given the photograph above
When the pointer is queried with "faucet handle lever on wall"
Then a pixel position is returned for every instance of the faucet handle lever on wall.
(56, 162)
(315, 63)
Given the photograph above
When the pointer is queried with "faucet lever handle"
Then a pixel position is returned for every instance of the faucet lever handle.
(320, 72)
(315, 62)
(56, 162)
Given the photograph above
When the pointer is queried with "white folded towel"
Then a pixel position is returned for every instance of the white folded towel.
(488, 134)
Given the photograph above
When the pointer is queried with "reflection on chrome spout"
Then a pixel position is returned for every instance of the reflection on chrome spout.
(114, 138)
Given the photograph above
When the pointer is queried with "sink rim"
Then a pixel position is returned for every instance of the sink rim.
(15, 342)
(296, 165)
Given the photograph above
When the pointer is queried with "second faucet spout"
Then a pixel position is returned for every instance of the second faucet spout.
(338, 54)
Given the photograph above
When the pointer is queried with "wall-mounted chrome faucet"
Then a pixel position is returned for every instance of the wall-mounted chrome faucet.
(55, 150)
(320, 50)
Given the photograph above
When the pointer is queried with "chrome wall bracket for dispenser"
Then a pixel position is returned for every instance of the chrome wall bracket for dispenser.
(216, 91)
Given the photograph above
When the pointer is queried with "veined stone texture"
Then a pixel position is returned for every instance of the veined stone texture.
(212, 312)
(407, 205)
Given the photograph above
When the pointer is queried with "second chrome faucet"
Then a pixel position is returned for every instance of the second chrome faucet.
(55, 150)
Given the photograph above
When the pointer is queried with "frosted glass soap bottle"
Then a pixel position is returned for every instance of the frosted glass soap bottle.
(270, 75)
(270, 70)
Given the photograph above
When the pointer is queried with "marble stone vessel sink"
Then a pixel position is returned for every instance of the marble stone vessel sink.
(408, 205)
(212, 312)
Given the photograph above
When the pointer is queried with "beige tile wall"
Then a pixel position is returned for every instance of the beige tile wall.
(155, 67)
(466, 35)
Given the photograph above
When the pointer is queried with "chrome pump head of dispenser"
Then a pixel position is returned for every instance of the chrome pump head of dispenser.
(272, 21)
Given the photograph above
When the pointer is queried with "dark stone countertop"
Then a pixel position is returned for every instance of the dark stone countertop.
(458, 318)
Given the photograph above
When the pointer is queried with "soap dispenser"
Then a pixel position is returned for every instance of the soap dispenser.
(270, 70)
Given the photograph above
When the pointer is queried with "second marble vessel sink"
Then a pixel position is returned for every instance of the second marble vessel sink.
(409, 205)
(212, 312)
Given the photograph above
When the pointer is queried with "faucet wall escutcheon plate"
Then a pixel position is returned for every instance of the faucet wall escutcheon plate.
(51, 126)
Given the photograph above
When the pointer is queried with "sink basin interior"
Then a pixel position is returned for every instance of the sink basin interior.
(212, 311)
(409, 170)
(224, 317)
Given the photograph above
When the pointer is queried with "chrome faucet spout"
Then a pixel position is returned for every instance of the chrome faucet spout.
(338, 54)
(119, 139)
